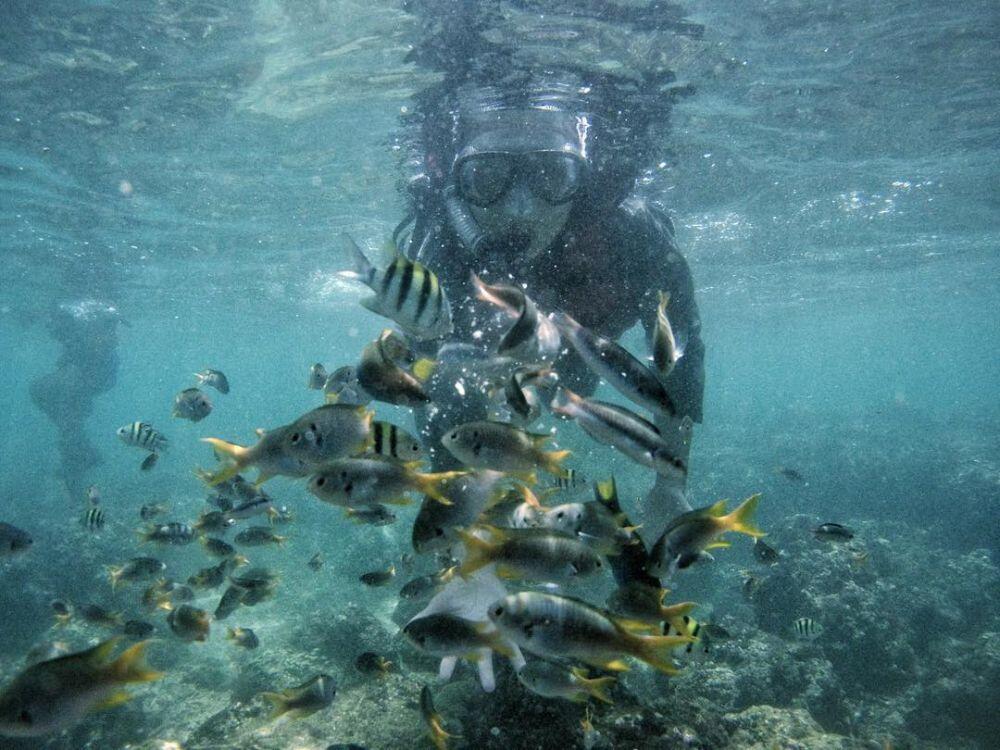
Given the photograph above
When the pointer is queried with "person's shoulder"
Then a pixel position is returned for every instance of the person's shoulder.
(642, 218)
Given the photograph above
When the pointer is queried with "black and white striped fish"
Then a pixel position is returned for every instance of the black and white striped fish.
(573, 480)
(806, 628)
(405, 291)
(533, 337)
(93, 519)
(389, 441)
(142, 435)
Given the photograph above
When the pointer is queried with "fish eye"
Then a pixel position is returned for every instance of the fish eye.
(295, 438)
(498, 610)
(560, 515)
(320, 481)
(313, 427)
(439, 531)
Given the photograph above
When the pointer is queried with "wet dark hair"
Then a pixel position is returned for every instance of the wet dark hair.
(472, 49)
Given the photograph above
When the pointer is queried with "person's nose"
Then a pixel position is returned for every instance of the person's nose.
(520, 202)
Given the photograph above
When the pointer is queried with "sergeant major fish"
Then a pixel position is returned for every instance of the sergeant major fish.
(142, 435)
(405, 291)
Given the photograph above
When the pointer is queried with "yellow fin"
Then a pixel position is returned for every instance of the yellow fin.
(717, 509)
(606, 491)
(401, 500)
(612, 665)
(430, 484)
(494, 640)
(279, 703)
(655, 650)
(117, 698)
(740, 520)
(529, 497)
(478, 552)
(718, 544)
(100, 653)
(552, 462)
(596, 687)
(423, 368)
(131, 666)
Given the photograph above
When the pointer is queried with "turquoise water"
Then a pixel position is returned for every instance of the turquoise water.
(833, 184)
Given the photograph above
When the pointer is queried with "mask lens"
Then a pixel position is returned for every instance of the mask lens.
(482, 180)
(555, 178)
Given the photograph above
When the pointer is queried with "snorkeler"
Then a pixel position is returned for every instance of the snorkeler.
(87, 366)
(531, 182)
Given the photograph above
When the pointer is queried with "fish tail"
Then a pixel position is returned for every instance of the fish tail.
(597, 687)
(131, 666)
(430, 484)
(279, 704)
(655, 650)
(237, 454)
(363, 269)
(552, 462)
(115, 574)
(439, 736)
(741, 519)
(478, 552)
(564, 402)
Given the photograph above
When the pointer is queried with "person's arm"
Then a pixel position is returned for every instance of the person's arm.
(668, 271)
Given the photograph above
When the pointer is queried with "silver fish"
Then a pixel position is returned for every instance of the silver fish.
(215, 378)
(192, 404)
(665, 349)
(317, 377)
(621, 370)
(622, 429)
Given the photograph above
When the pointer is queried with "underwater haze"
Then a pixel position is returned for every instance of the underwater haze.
(175, 181)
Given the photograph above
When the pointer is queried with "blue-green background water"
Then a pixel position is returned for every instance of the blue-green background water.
(834, 186)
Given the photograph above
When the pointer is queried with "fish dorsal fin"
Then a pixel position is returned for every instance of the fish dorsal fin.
(717, 509)
(100, 653)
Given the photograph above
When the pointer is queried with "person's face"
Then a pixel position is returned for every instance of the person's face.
(521, 201)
